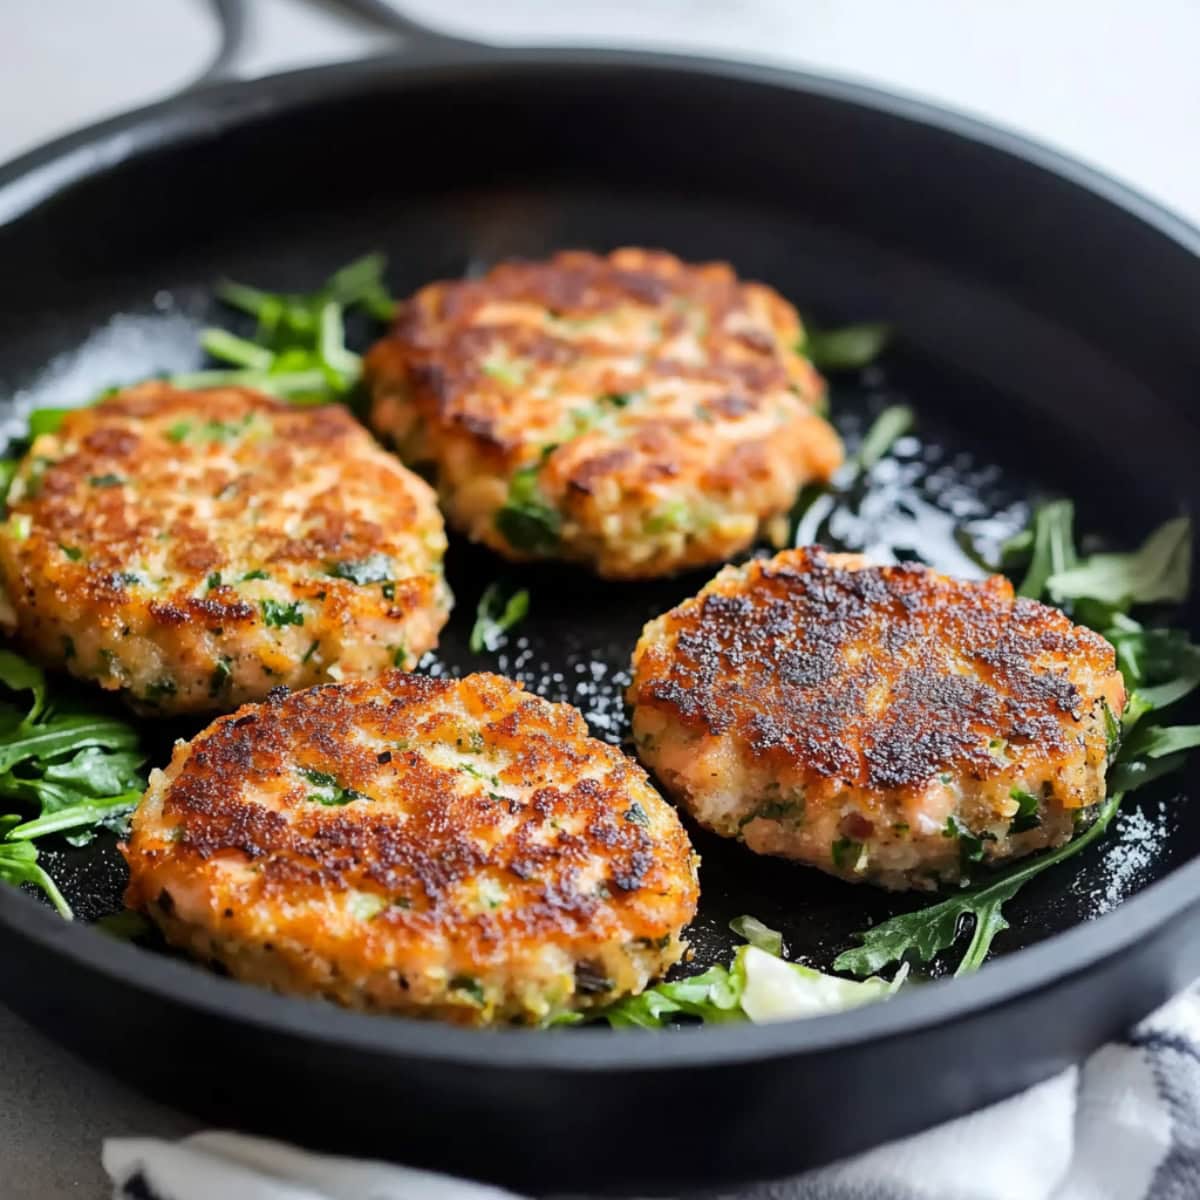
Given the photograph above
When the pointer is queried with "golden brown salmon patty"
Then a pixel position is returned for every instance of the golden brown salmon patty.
(629, 412)
(196, 549)
(888, 724)
(450, 848)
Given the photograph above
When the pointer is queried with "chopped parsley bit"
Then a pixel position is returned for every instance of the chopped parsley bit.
(495, 615)
(673, 516)
(528, 521)
(510, 373)
(159, 688)
(491, 894)
(257, 573)
(970, 846)
(388, 591)
(637, 814)
(1112, 732)
(328, 791)
(366, 905)
(20, 525)
(102, 481)
(72, 552)
(1028, 814)
(219, 680)
(375, 568)
(310, 651)
(778, 810)
(126, 578)
(214, 581)
(617, 399)
(276, 614)
(224, 431)
(469, 987)
(846, 854)
(399, 656)
(473, 771)
(177, 432)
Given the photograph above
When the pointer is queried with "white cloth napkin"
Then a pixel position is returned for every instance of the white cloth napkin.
(1124, 1126)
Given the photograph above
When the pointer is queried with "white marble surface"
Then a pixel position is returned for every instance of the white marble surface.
(1112, 81)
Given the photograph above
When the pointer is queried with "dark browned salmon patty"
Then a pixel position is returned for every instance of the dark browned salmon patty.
(890, 723)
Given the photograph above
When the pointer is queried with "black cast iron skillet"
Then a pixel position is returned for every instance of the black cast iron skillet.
(1049, 337)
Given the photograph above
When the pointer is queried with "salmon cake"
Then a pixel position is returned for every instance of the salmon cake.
(628, 412)
(458, 849)
(882, 723)
(194, 550)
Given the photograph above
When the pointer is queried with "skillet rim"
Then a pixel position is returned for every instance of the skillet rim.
(38, 175)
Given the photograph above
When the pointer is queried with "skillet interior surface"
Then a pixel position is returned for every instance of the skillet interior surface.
(1034, 365)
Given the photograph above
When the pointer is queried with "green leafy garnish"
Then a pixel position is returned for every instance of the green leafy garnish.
(528, 521)
(1028, 809)
(327, 791)
(759, 986)
(375, 568)
(891, 424)
(70, 770)
(1053, 547)
(276, 613)
(496, 615)
(758, 934)
(298, 349)
(848, 348)
(1158, 573)
(928, 931)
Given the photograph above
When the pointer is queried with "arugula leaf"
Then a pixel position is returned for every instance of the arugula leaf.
(19, 864)
(85, 815)
(890, 425)
(220, 343)
(79, 770)
(758, 934)
(1159, 572)
(759, 985)
(495, 615)
(847, 348)
(1160, 666)
(19, 675)
(927, 931)
(298, 350)
(1053, 547)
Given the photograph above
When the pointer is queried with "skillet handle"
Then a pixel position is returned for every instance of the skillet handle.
(379, 15)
